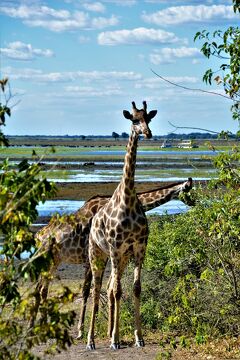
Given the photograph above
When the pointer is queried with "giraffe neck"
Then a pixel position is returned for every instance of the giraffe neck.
(127, 182)
(155, 198)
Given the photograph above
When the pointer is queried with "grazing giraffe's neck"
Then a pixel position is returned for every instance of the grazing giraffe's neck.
(155, 198)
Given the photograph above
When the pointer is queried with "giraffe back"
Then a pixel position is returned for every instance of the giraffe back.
(71, 232)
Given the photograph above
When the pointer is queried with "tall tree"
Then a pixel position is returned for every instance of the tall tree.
(226, 47)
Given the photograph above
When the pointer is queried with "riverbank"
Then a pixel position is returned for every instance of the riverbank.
(85, 190)
(79, 192)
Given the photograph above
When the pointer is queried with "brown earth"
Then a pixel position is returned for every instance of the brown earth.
(217, 350)
(85, 190)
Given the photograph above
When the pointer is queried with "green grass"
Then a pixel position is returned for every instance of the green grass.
(65, 150)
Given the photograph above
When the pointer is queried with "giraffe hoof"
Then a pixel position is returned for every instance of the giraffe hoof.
(91, 347)
(140, 343)
(115, 346)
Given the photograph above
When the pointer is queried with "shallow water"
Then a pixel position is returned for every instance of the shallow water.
(114, 175)
(151, 152)
(69, 206)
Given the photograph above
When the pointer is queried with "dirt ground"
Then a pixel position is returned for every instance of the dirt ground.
(72, 274)
(150, 352)
(85, 190)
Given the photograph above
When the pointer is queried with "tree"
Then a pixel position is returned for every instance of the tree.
(21, 326)
(115, 135)
(125, 135)
(225, 46)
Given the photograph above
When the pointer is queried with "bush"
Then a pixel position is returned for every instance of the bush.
(22, 326)
(192, 269)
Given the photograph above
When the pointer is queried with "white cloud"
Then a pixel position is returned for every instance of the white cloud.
(169, 55)
(20, 51)
(27, 12)
(57, 20)
(94, 6)
(79, 20)
(121, 2)
(54, 77)
(88, 91)
(190, 14)
(137, 36)
(101, 22)
(156, 83)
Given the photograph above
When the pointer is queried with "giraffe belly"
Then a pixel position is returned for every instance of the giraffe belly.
(73, 256)
(74, 250)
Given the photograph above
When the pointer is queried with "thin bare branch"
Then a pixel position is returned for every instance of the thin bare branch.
(18, 102)
(192, 128)
(191, 89)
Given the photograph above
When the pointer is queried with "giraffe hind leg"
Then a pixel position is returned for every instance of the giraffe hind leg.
(85, 294)
(98, 262)
(97, 279)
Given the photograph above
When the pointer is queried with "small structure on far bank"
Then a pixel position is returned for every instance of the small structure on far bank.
(187, 144)
(166, 144)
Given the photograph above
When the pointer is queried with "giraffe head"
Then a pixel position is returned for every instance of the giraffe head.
(140, 119)
(187, 185)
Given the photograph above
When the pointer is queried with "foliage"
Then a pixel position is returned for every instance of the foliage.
(22, 264)
(191, 283)
(225, 46)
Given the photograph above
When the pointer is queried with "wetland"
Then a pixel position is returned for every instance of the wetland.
(82, 171)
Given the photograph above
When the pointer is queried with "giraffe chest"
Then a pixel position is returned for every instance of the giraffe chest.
(126, 229)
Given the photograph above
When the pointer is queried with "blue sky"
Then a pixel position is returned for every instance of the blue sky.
(76, 64)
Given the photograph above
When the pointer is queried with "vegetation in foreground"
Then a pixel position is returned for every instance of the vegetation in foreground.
(192, 277)
(21, 326)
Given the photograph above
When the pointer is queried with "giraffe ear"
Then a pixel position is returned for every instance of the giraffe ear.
(152, 114)
(127, 115)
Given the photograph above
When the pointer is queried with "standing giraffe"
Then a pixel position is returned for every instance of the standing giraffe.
(71, 235)
(120, 230)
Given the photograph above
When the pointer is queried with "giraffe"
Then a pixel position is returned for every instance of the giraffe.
(119, 231)
(71, 234)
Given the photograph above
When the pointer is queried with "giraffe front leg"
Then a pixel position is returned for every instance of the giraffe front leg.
(117, 293)
(98, 262)
(85, 294)
(96, 295)
(110, 307)
(137, 294)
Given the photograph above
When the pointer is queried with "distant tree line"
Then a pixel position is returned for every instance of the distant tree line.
(124, 135)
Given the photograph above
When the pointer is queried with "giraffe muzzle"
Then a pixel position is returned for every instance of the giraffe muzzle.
(147, 134)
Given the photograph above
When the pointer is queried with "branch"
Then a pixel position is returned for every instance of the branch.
(193, 128)
(191, 89)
